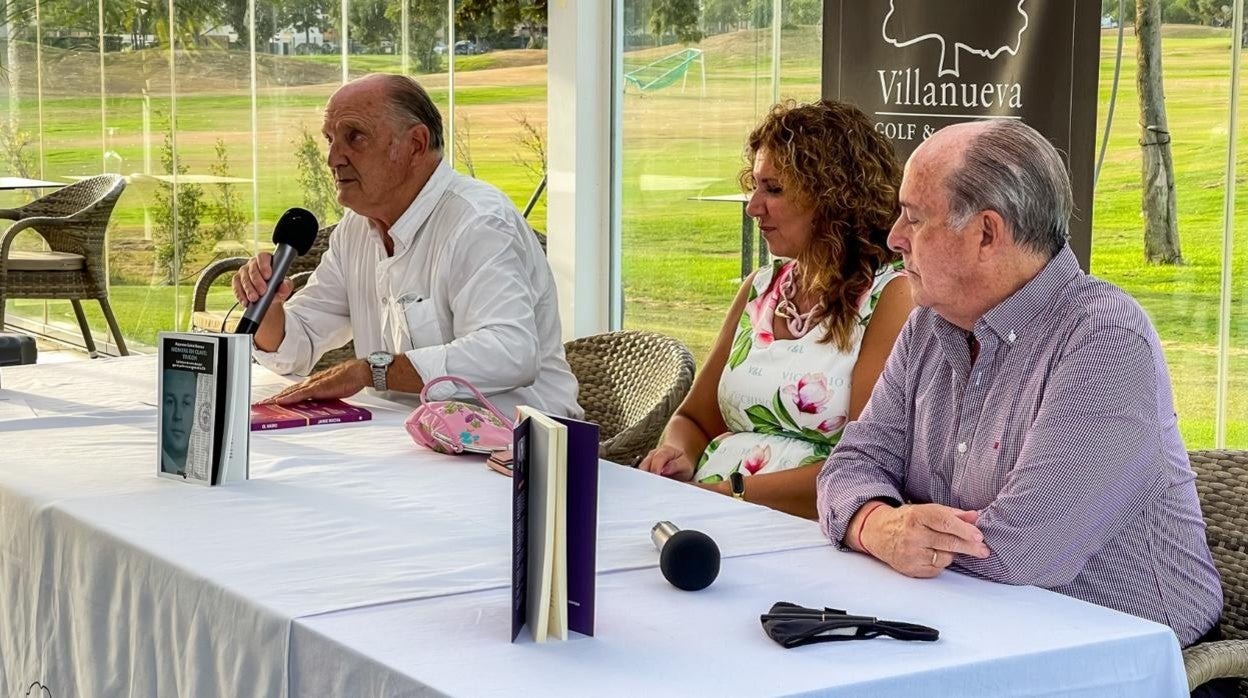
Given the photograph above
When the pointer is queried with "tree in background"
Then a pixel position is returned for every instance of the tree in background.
(320, 195)
(1215, 13)
(234, 13)
(177, 233)
(229, 218)
(370, 24)
(678, 17)
(802, 12)
(304, 16)
(425, 19)
(501, 17)
(1161, 225)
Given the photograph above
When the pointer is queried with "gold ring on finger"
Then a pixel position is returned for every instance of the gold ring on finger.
(935, 553)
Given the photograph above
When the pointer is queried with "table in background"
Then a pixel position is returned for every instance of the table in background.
(7, 183)
(747, 232)
(355, 563)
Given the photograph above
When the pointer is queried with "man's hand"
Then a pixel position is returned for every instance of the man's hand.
(918, 540)
(252, 280)
(668, 461)
(343, 380)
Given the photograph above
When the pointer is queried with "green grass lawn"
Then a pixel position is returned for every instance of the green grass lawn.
(681, 258)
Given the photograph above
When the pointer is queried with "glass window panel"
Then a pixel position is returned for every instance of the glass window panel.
(20, 135)
(684, 253)
(298, 67)
(500, 98)
(1237, 354)
(1182, 299)
(801, 50)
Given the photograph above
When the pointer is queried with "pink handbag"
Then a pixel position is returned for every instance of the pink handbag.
(452, 426)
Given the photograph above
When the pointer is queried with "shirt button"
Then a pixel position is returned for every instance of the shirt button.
(962, 447)
(1012, 337)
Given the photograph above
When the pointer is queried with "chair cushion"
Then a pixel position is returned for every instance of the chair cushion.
(45, 261)
(214, 320)
(17, 349)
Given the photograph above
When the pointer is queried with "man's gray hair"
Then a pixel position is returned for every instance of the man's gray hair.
(1012, 169)
(410, 105)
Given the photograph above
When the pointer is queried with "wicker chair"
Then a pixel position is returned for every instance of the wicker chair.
(204, 320)
(630, 384)
(1222, 483)
(73, 221)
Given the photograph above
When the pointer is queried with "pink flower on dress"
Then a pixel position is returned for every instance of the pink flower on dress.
(810, 393)
(829, 426)
(760, 311)
(757, 459)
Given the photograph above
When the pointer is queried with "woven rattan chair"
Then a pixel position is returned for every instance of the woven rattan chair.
(630, 384)
(1222, 483)
(205, 320)
(73, 221)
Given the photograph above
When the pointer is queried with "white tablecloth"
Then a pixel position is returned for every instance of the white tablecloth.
(114, 581)
(654, 640)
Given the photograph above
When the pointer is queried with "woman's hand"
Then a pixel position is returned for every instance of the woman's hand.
(668, 461)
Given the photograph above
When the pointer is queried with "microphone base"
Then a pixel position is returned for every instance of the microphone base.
(246, 326)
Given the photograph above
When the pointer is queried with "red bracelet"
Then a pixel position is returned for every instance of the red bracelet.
(863, 525)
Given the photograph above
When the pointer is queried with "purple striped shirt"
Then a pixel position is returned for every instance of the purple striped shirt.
(1063, 437)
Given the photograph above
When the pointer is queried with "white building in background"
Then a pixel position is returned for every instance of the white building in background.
(290, 41)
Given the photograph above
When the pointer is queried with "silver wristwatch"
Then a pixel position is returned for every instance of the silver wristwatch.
(379, 361)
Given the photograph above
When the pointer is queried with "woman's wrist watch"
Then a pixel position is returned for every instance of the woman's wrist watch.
(378, 362)
(736, 484)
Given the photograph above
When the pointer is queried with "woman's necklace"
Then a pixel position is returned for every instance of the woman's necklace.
(799, 323)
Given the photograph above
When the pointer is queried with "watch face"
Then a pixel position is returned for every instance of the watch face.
(380, 358)
(736, 481)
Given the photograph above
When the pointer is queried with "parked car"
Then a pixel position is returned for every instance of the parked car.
(468, 48)
(439, 49)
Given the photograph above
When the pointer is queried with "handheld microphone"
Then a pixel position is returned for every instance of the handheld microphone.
(689, 559)
(294, 234)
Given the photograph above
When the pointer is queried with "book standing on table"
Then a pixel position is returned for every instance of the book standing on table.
(555, 525)
(204, 395)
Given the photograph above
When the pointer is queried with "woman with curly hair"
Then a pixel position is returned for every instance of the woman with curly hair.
(806, 338)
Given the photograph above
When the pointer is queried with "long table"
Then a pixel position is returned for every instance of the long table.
(355, 563)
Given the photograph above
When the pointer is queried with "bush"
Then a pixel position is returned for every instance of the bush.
(177, 232)
(320, 195)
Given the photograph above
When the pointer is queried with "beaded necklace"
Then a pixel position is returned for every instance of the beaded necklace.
(799, 323)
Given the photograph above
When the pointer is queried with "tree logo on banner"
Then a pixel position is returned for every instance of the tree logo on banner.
(43, 691)
(912, 21)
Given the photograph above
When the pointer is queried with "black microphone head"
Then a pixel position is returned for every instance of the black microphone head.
(690, 560)
(297, 228)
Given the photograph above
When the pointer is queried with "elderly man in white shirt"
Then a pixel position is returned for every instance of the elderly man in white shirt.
(430, 272)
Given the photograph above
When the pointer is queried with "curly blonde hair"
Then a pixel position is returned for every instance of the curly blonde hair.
(830, 156)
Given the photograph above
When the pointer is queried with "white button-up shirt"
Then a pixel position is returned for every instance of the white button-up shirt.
(467, 293)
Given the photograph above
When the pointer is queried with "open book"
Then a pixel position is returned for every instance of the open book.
(204, 399)
(555, 521)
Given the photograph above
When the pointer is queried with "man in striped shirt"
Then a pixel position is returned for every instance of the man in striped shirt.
(1023, 429)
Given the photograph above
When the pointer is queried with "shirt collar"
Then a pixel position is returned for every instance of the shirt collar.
(404, 230)
(1010, 318)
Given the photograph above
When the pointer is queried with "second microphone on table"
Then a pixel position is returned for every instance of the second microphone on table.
(293, 235)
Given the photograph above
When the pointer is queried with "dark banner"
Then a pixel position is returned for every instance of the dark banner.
(917, 65)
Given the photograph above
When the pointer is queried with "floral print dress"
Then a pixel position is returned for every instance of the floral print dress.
(785, 401)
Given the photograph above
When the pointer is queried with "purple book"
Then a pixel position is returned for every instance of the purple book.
(305, 414)
(582, 522)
